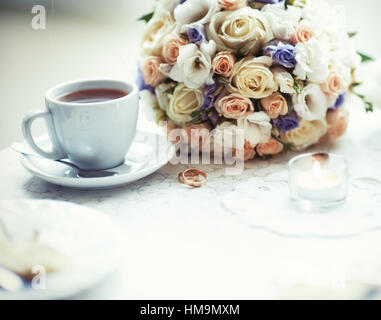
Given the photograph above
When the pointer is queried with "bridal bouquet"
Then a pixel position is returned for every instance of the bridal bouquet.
(275, 71)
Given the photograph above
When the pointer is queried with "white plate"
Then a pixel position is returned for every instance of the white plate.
(148, 153)
(90, 241)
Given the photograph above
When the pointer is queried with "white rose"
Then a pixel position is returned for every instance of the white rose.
(307, 134)
(183, 103)
(311, 104)
(285, 80)
(329, 24)
(252, 78)
(163, 94)
(313, 61)
(159, 27)
(283, 22)
(324, 17)
(195, 12)
(245, 30)
(257, 128)
(193, 66)
(164, 6)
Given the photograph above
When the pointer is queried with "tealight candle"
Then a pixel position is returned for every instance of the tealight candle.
(318, 180)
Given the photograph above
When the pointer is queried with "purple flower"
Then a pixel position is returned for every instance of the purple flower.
(209, 112)
(209, 96)
(339, 102)
(196, 34)
(141, 83)
(282, 53)
(286, 123)
(182, 1)
(211, 116)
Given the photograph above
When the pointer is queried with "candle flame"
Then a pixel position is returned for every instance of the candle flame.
(316, 170)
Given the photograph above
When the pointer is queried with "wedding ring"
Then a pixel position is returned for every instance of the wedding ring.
(191, 177)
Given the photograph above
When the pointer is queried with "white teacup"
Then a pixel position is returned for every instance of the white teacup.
(95, 135)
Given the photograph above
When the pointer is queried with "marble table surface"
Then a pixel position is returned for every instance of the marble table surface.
(184, 243)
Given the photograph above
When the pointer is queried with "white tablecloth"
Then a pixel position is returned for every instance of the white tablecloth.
(184, 243)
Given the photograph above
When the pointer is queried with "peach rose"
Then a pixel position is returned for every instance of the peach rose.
(303, 34)
(151, 73)
(248, 152)
(223, 63)
(337, 123)
(171, 48)
(234, 106)
(275, 105)
(271, 147)
(232, 4)
(197, 134)
(334, 85)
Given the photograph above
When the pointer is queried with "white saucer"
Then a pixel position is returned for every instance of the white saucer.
(148, 153)
(91, 243)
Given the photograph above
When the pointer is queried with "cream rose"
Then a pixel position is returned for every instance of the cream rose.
(151, 73)
(245, 30)
(271, 147)
(223, 63)
(195, 12)
(171, 49)
(252, 78)
(183, 103)
(284, 79)
(257, 127)
(163, 94)
(234, 106)
(311, 104)
(159, 27)
(193, 67)
(275, 105)
(307, 134)
(232, 4)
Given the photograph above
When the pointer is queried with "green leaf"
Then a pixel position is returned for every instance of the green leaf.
(352, 34)
(300, 3)
(223, 80)
(365, 58)
(147, 17)
(298, 86)
(356, 84)
(369, 107)
(195, 114)
(287, 146)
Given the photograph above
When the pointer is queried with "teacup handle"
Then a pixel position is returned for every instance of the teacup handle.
(57, 152)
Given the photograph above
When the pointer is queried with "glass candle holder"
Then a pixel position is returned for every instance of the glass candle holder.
(318, 180)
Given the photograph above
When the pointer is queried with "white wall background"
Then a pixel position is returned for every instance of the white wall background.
(91, 38)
